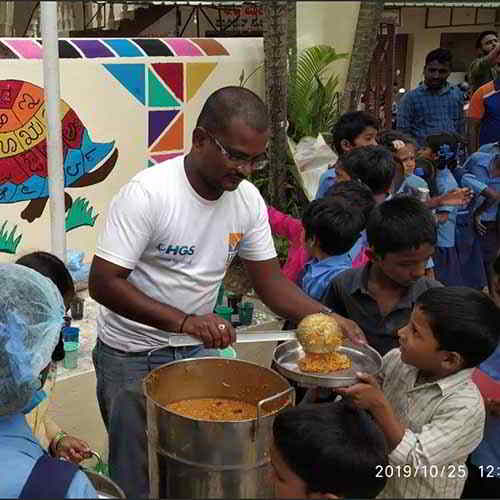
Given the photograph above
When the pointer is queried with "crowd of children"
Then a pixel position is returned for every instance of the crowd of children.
(403, 242)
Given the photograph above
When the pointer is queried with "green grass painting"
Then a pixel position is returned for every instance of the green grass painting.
(9, 241)
(80, 214)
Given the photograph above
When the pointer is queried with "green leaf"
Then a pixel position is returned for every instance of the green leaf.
(312, 103)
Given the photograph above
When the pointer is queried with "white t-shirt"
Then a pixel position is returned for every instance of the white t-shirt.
(177, 244)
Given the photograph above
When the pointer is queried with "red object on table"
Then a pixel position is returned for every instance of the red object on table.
(488, 386)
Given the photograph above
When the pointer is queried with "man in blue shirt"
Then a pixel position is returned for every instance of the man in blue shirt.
(482, 175)
(332, 227)
(434, 106)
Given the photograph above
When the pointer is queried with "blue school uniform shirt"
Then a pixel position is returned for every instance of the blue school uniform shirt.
(410, 187)
(491, 148)
(477, 176)
(411, 184)
(326, 181)
(446, 182)
(19, 451)
(488, 452)
(318, 273)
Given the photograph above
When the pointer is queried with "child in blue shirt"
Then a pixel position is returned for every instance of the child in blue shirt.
(439, 155)
(352, 130)
(332, 226)
(482, 175)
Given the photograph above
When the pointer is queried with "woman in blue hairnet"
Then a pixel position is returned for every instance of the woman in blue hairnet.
(31, 314)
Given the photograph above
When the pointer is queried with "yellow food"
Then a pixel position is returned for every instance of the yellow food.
(220, 409)
(319, 333)
(324, 363)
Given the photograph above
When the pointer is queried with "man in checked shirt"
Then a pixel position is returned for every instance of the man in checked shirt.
(435, 105)
(430, 410)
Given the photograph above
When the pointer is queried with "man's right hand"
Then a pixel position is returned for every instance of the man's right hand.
(215, 331)
(350, 329)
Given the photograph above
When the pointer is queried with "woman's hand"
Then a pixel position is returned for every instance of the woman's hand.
(73, 449)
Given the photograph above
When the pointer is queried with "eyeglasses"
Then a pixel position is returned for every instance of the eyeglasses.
(239, 159)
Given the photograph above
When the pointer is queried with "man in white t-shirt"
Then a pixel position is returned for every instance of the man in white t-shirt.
(169, 237)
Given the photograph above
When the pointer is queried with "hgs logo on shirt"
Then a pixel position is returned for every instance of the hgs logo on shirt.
(176, 249)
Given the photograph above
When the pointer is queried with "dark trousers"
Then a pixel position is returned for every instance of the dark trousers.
(478, 486)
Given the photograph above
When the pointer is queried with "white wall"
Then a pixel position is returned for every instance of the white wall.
(330, 23)
(422, 40)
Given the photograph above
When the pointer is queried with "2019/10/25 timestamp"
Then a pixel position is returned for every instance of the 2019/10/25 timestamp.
(428, 471)
(489, 471)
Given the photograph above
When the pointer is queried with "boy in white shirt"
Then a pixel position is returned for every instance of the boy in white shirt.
(427, 405)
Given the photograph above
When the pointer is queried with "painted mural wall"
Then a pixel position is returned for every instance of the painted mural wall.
(126, 105)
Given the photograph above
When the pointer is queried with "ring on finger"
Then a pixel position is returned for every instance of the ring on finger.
(221, 327)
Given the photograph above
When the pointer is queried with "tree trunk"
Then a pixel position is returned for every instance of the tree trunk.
(365, 40)
(292, 38)
(275, 62)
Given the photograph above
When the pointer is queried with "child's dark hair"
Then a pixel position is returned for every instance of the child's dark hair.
(355, 193)
(334, 223)
(372, 165)
(350, 125)
(53, 268)
(399, 224)
(333, 448)
(479, 40)
(387, 137)
(435, 141)
(442, 56)
(462, 320)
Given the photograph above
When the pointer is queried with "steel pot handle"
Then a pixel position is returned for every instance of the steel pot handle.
(290, 391)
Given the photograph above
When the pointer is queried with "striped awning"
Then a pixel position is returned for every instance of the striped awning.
(444, 3)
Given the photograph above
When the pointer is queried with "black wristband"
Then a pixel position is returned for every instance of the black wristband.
(184, 321)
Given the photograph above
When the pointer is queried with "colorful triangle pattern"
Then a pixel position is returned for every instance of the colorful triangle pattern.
(171, 74)
(164, 157)
(158, 122)
(196, 75)
(159, 96)
(173, 138)
(132, 77)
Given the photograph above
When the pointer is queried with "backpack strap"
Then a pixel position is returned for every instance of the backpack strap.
(49, 479)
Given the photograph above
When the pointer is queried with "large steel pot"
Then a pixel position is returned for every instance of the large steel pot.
(205, 459)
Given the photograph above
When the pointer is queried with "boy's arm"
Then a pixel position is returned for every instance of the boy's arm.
(455, 430)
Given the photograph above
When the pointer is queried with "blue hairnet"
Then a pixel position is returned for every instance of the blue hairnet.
(31, 316)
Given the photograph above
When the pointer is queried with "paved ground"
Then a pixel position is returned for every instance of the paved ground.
(74, 405)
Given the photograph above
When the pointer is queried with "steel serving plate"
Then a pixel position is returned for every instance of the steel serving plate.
(364, 359)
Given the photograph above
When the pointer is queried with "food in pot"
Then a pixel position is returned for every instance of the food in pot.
(319, 333)
(324, 363)
(220, 409)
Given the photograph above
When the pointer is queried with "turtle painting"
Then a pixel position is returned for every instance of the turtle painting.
(23, 149)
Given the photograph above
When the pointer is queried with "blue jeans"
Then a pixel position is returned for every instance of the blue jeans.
(123, 409)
